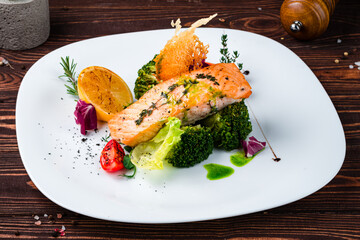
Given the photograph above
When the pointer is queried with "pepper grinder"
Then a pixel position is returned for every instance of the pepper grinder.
(306, 19)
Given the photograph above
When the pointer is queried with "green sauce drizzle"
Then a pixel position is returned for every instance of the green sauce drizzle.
(239, 159)
(217, 171)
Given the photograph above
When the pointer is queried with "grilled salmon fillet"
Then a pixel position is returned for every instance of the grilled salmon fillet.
(189, 97)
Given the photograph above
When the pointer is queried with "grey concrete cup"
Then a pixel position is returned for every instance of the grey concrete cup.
(24, 24)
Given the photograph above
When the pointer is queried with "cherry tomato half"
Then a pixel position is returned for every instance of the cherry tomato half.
(112, 157)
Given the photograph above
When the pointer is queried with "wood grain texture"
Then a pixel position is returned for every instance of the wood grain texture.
(331, 213)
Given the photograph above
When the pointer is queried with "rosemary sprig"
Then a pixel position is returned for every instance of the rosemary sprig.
(226, 57)
(69, 73)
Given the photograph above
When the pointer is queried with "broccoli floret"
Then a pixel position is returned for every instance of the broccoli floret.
(146, 79)
(180, 146)
(195, 146)
(229, 126)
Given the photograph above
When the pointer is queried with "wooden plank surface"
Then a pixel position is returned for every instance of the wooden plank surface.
(331, 213)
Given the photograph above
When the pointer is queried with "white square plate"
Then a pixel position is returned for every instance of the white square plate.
(294, 110)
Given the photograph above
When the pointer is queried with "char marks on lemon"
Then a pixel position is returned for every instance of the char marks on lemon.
(189, 97)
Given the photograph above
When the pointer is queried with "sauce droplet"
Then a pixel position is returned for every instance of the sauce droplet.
(217, 171)
(276, 158)
(239, 159)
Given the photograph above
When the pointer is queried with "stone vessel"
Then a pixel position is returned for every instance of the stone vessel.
(24, 24)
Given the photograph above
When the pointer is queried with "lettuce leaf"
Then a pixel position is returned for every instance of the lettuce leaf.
(151, 154)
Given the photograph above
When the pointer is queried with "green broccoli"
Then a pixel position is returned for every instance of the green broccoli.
(180, 146)
(229, 126)
(146, 79)
(195, 146)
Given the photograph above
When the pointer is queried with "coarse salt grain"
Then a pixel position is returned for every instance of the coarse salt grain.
(36, 217)
(63, 228)
(357, 63)
(38, 223)
(351, 66)
(4, 61)
(259, 8)
(338, 40)
(45, 215)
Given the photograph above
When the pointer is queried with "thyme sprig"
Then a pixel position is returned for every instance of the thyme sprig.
(70, 75)
(208, 76)
(149, 111)
(226, 57)
(106, 138)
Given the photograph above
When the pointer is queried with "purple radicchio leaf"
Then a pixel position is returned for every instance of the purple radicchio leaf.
(203, 65)
(85, 115)
(252, 146)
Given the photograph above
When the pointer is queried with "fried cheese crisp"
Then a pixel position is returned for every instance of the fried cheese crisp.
(183, 53)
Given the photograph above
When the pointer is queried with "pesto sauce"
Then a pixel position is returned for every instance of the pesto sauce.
(239, 159)
(217, 171)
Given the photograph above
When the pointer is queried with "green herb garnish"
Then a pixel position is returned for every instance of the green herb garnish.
(69, 73)
(128, 148)
(106, 138)
(226, 58)
(125, 106)
(207, 76)
(213, 109)
(145, 112)
(164, 95)
(127, 162)
(128, 165)
(172, 87)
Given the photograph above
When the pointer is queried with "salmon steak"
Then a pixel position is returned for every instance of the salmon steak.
(189, 97)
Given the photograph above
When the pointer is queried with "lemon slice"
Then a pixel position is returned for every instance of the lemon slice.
(105, 90)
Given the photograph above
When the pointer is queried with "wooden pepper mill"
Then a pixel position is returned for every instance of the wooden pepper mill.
(306, 19)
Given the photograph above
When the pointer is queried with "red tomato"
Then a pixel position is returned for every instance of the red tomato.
(112, 157)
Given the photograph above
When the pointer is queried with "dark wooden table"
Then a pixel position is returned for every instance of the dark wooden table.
(331, 213)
